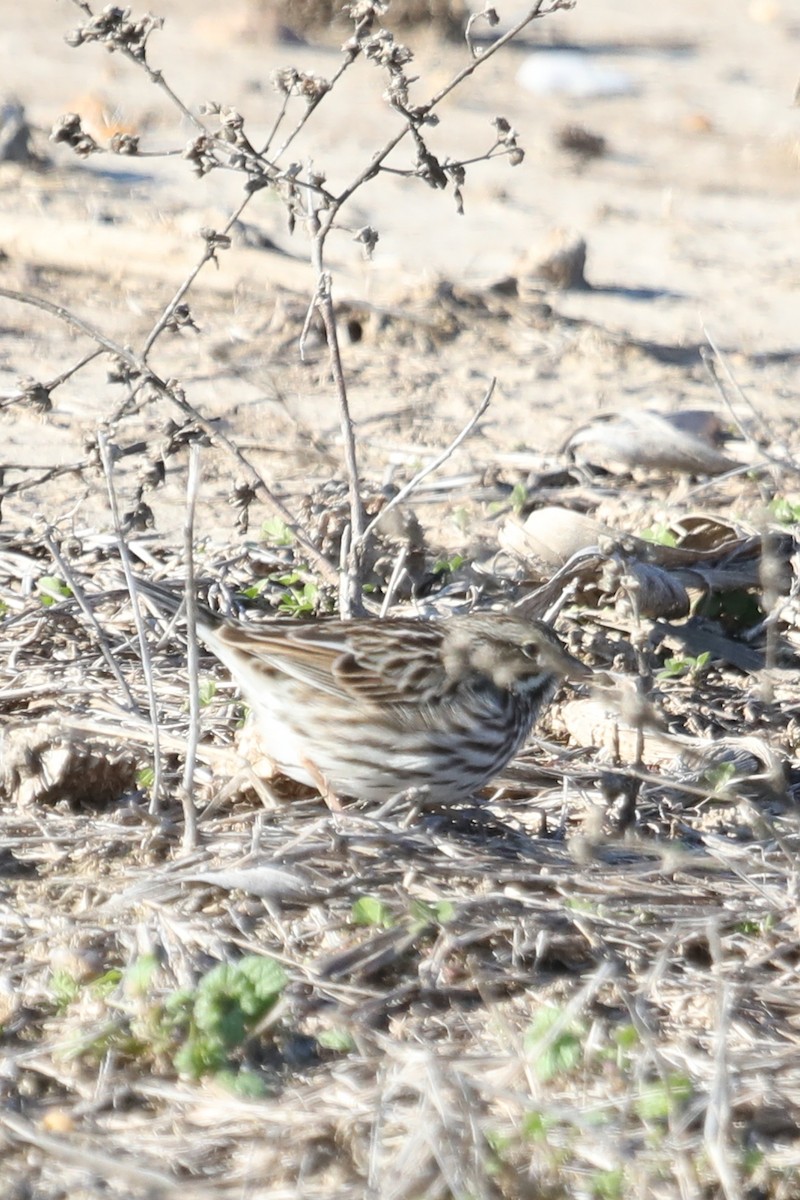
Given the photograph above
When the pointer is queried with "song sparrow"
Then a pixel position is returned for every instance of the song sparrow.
(370, 708)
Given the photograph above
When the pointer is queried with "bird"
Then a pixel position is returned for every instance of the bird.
(370, 708)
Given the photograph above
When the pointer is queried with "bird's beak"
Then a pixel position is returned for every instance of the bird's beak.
(566, 665)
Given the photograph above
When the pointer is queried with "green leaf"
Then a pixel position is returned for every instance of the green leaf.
(658, 1100)
(140, 974)
(607, 1185)
(145, 778)
(626, 1037)
(336, 1039)
(535, 1126)
(752, 1159)
(748, 928)
(461, 518)
(446, 566)
(217, 1016)
(177, 1006)
(662, 535)
(106, 983)
(785, 512)
(198, 1057)
(51, 589)
(247, 1084)
(438, 913)
(232, 998)
(255, 590)
(675, 668)
(65, 988)
(553, 1056)
(300, 602)
(207, 691)
(370, 910)
(519, 498)
(719, 776)
(560, 1057)
(277, 532)
(260, 982)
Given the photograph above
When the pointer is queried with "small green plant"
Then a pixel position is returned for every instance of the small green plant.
(338, 1040)
(216, 1017)
(145, 778)
(785, 512)
(438, 913)
(536, 1126)
(300, 599)
(255, 591)
(626, 1040)
(207, 691)
(139, 975)
(106, 983)
(371, 910)
(50, 589)
(65, 989)
(557, 1055)
(461, 518)
(581, 905)
(756, 927)
(446, 566)
(608, 1185)
(275, 531)
(719, 776)
(660, 1099)
(661, 535)
(680, 666)
(752, 1158)
(519, 498)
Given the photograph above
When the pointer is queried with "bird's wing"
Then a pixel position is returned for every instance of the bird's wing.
(397, 663)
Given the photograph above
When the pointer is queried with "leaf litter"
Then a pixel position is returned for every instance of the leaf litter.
(586, 984)
(638, 886)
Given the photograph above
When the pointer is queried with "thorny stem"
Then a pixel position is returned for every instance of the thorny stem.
(50, 385)
(326, 569)
(534, 13)
(155, 76)
(122, 546)
(323, 300)
(91, 619)
(319, 231)
(434, 465)
(209, 252)
(192, 659)
(337, 75)
(350, 595)
(410, 173)
(276, 124)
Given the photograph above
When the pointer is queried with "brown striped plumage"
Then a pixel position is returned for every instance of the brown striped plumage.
(374, 707)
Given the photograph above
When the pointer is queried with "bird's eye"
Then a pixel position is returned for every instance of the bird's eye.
(530, 650)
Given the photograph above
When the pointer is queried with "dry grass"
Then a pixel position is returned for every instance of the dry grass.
(536, 998)
(584, 985)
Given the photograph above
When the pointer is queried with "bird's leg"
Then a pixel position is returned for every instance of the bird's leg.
(330, 797)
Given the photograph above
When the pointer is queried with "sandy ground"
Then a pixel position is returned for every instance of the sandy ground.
(688, 219)
(678, 933)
